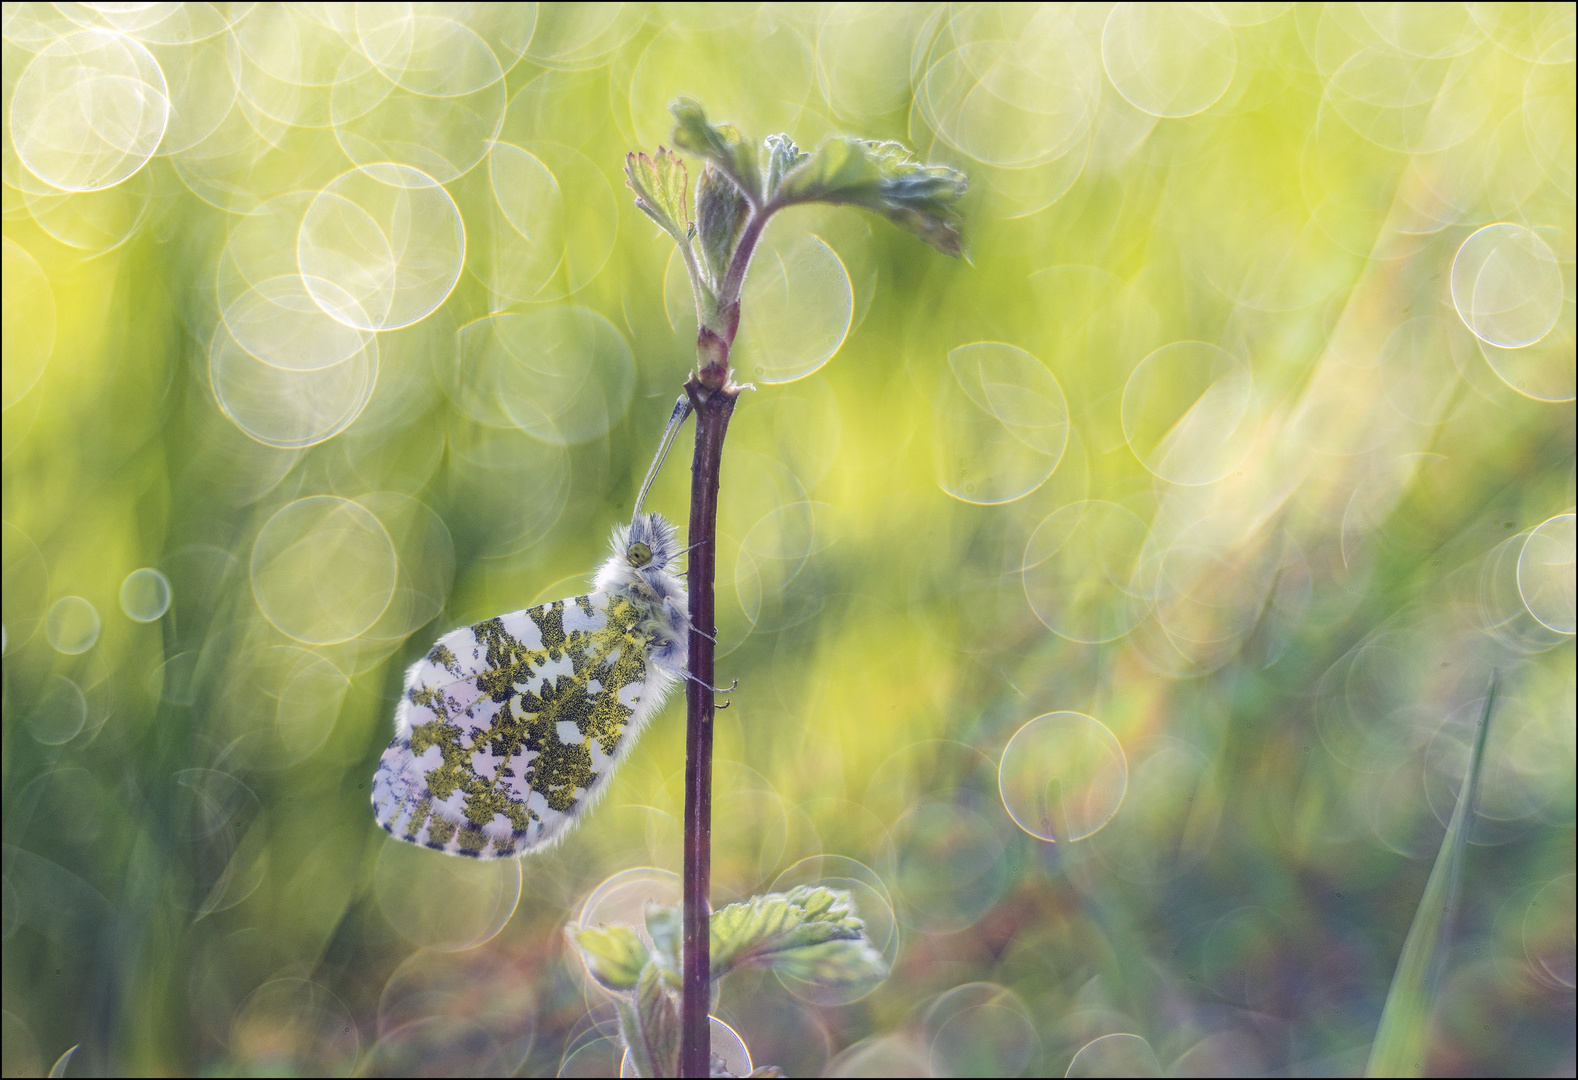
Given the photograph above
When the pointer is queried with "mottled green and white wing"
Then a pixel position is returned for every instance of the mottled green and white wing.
(509, 729)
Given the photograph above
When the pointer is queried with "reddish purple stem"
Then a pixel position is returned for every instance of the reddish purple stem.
(713, 409)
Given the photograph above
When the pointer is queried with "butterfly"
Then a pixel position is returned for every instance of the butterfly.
(508, 731)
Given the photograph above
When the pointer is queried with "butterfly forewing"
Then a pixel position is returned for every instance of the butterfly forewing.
(508, 729)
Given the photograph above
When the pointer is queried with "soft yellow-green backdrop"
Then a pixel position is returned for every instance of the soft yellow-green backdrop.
(1112, 609)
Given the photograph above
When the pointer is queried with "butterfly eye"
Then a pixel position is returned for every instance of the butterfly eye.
(638, 554)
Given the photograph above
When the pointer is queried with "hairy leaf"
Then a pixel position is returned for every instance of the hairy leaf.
(630, 1035)
(649, 1025)
(615, 955)
(721, 144)
(721, 212)
(664, 926)
(783, 157)
(833, 963)
(659, 183)
(883, 177)
(770, 930)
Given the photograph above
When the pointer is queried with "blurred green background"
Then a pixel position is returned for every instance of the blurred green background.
(1111, 609)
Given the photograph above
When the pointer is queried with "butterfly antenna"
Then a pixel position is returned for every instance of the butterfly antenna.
(681, 411)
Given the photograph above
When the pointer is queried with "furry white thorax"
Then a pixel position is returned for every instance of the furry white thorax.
(654, 588)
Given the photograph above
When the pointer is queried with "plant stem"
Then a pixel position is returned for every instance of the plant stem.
(734, 279)
(713, 408)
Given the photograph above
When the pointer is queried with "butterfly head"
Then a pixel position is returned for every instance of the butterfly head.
(650, 543)
(644, 552)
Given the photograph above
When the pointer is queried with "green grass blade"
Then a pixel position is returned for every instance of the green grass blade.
(1399, 1047)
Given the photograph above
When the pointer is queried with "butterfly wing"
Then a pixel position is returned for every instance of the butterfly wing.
(509, 729)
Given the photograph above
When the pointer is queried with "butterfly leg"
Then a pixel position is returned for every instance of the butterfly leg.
(688, 677)
(678, 616)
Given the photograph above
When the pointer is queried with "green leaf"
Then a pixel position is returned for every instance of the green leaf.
(659, 183)
(615, 955)
(721, 144)
(722, 212)
(783, 157)
(649, 1025)
(1399, 1047)
(885, 178)
(659, 1021)
(774, 930)
(833, 963)
(630, 1035)
(664, 927)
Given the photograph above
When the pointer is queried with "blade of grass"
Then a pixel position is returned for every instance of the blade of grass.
(1399, 1047)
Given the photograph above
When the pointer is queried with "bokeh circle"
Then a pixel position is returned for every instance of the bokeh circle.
(323, 570)
(1063, 776)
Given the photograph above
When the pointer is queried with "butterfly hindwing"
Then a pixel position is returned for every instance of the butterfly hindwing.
(508, 729)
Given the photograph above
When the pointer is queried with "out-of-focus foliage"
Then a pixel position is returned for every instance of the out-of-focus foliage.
(809, 934)
(1400, 1046)
(1112, 610)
